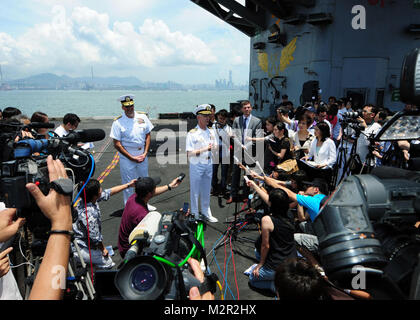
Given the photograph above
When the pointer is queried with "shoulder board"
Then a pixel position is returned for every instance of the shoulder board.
(117, 118)
(141, 112)
(193, 130)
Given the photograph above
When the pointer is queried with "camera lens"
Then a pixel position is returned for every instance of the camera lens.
(143, 278)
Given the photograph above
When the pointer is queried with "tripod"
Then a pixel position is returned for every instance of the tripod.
(341, 159)
(353, 159)
(370, 158)
(82, 280)
(84, 276)
(233, 230)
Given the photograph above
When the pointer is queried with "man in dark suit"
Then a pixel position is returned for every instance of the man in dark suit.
(243, 127)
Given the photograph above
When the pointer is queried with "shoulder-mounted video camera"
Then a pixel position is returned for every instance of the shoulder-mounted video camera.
(24, 160)
(155, 267)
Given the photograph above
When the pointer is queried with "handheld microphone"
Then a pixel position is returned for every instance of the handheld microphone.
(181, 177)
(259, 167)
(88, 135)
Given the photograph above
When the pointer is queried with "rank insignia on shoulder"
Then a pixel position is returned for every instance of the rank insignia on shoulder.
(193, 130)
(117, 118)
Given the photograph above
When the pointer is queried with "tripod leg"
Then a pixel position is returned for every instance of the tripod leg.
(88, 280)
(77, 283)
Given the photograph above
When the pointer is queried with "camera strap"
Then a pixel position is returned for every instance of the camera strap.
(184, 228)
(63, 186)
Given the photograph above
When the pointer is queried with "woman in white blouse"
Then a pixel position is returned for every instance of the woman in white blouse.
(302, 138)
(324, 154)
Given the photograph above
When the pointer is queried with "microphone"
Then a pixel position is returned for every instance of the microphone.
(144, 231)
(146, 227)
(88, 135)
(39, 125)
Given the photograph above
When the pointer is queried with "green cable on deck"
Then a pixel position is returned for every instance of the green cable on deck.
(199, 237)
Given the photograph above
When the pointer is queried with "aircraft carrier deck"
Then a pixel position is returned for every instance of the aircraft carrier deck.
(243, 251)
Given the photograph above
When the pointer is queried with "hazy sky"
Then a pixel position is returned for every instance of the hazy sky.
(153, 40)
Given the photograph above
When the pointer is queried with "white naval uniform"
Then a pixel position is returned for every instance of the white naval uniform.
(201, 169)
(131, 132)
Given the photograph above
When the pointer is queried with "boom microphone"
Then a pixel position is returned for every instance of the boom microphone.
(88, 135)
(147, 227)
(39, 125)
(144, 231)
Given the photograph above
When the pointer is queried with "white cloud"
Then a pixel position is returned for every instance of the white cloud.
(72, 42)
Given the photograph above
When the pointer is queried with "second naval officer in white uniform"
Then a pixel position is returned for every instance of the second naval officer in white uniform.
(131, 134)
(201, 141)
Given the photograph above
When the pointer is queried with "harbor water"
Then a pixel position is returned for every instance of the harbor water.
(90, 103)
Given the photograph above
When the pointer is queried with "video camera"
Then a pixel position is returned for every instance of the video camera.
(24, 160)
(369, 222)
(367, 226)
(155, 267)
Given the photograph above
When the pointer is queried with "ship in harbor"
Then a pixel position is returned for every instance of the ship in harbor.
(350, 49)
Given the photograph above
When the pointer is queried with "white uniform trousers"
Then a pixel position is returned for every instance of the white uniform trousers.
(132, 170)
(200, 187)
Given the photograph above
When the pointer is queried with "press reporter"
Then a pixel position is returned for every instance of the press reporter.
(137, 207)
(276, 242)
(51, 276)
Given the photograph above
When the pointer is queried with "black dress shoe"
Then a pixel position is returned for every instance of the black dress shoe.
(229, 201)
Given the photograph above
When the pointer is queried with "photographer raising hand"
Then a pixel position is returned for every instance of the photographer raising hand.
(50, 280)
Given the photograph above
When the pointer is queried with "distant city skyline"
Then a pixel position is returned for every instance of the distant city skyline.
(153, 40)
(50, 81)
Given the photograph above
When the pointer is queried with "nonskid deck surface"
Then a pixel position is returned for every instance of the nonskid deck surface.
(230, 257)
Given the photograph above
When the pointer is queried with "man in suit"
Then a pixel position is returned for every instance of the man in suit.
(243, 126)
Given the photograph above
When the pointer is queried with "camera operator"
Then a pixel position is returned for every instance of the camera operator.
(8, 228)
(41, 117)
(136, 207)
(50, 279)
(198, 273)
(368, 127)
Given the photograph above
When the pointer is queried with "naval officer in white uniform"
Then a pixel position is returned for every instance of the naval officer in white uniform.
(201, 141)
(131, 134)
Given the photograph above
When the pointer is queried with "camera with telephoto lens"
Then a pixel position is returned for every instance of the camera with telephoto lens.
(351, 117)
(24, 161)
(155, 267)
